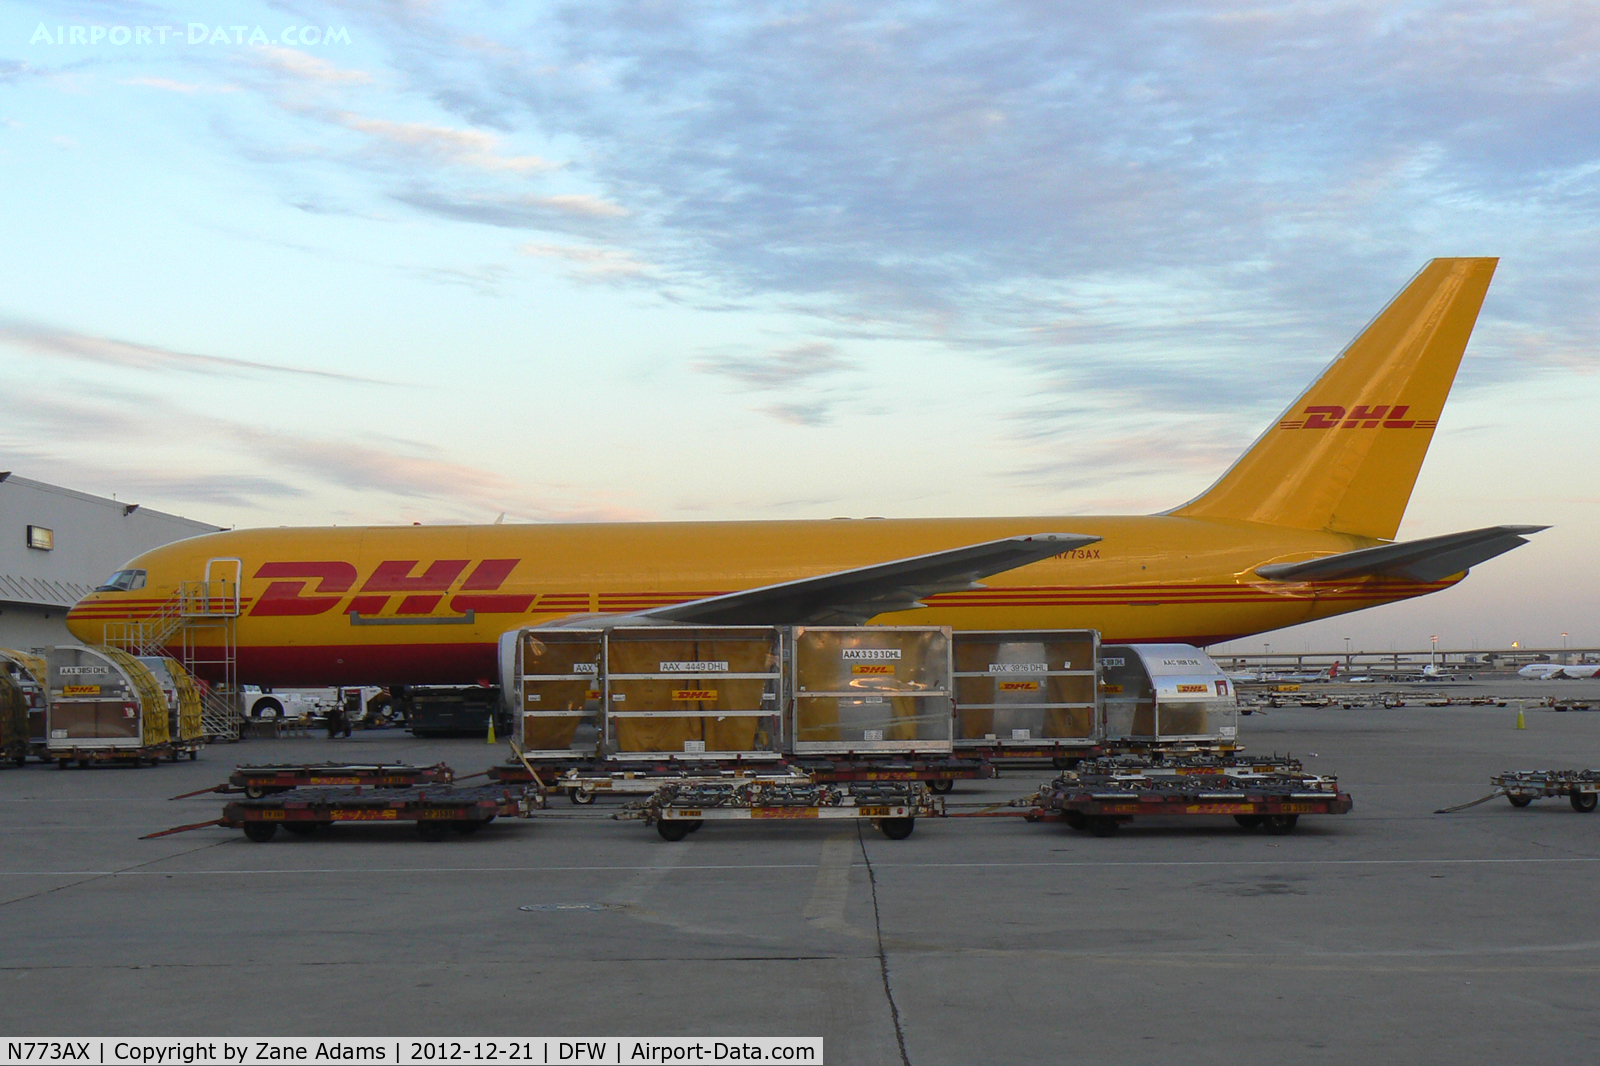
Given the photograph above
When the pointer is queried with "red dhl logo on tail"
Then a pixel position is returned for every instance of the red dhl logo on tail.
(1380, 416)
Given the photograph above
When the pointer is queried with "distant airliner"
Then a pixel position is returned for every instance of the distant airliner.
(1299, 528)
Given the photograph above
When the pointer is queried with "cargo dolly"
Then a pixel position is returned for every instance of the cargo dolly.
(1099, 797)
(147, 755)
(437, 811)
(1522, 787)
(258, 781)
(676, 810)
(583, 780)
(263, 780)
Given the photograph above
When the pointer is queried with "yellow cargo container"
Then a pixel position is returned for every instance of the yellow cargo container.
(1033, 688)
(694, 692)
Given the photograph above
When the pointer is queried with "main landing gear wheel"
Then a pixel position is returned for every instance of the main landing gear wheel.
(1279, 824)
(675, 829)
(942, 786)
(1249, 821)
(260, 832)
(1583, 802)
(1520, 801)
(897, 828)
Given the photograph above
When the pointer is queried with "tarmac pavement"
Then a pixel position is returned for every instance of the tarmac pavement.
(1390, 933)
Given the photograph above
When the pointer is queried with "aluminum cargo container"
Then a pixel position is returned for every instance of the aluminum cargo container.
(870, 689)
(1034, 688)
(555, 691)
(694, 692)
(1166, 692)
(102, 699)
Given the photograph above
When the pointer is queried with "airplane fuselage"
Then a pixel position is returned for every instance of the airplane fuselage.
(427, 604)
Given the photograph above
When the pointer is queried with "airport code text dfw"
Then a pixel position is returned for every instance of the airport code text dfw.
(411, 1052)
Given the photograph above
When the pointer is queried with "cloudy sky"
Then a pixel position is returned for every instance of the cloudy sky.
(303, 263)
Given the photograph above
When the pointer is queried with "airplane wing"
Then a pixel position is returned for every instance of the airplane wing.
(850, 597)
(1428, 559)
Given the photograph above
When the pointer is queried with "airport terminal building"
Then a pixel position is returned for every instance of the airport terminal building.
(57, 544)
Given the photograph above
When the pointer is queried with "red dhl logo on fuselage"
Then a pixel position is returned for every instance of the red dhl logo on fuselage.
(1379, 416)
(286, 593)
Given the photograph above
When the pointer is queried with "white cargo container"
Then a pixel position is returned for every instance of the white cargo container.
(1157, 693)
(103, 703)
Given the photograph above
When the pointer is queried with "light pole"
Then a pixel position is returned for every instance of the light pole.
(1347, 653)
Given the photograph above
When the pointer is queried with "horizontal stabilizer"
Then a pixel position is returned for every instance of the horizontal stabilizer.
(850, 597)
(1429, 559)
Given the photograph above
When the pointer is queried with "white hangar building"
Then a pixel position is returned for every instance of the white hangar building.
(56, 545)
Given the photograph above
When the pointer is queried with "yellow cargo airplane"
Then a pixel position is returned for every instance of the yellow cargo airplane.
(1301, 527)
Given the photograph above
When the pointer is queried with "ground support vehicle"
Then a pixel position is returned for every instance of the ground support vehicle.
(258, 781)
(676, 810)
(1100, 797)
(437, 811)
(1522, 787)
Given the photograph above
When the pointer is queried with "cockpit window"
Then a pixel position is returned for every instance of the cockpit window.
(124, 581)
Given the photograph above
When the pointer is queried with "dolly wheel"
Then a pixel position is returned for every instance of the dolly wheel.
(260, 832)
(1584, 802)
(897, 828)
(1102, 825)
(580, 796)
(1249, 821)
(1520, 801)
(254, 792)
(432, 829)
(674, 828)
(694, 826)
(301, 829)
(942, 786)
(467, 827)
(1075, 818)
(1279, 824)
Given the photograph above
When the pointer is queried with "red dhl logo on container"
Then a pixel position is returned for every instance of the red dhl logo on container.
(1194, 688)
(80, 690)
(1019, 686)
(872, 670)
(687, 695)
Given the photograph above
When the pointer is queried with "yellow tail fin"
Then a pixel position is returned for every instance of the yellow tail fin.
(1345, 455)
